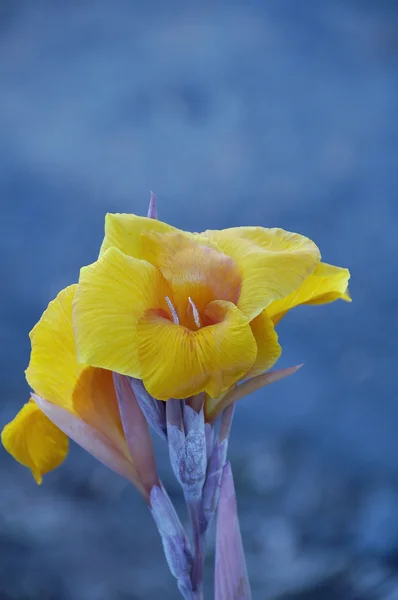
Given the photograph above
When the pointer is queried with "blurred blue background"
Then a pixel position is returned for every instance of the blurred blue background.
(272, 112)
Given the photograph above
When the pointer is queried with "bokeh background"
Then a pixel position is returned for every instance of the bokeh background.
(273, 112)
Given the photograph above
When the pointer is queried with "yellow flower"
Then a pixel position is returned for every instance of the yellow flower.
(79, 398)
(189, 313)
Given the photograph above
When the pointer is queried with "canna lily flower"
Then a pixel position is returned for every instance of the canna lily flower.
(168, 315)
(75, 400)
(194, 313)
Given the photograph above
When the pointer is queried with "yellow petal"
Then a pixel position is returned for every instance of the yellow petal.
(182, 362)
(53, 368)
(112, 293)
(95, 423)
(268, 348)
(195, 272)
(123, 231)
(34, 441)
(55, 374)
(273, 263)
(85, 394)
(326, 284)
(91, 440)
(95, 402)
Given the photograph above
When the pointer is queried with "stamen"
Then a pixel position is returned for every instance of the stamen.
(173, 311)
(195, 312)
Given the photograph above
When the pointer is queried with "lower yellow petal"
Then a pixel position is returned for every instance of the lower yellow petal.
(268, 352)
(123, 231)
(92, 440)
(326, 284)
(53, 368)
(34, 441)
(178, 363)
(85, 394)
(111, 295)
(273, 263)
(95, 402)
(268, 348)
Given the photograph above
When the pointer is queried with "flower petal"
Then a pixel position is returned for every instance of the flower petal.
(92, 440)
(183, 362)
(85, 394)
(193, 270)
(326, 284)
(34, 441)
(273, 263)
(268, 348)
(111, 294)
(123, 231)
(54, 372)
(95, 403)
(268, 352)
(53, 368)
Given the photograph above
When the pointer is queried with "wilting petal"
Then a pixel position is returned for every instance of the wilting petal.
(111, 294)
(93, 441)
(123, 231)
(183, 362)
(326, 284)
(193, 270)
(231, 580)
(34, 441)
(273, 263)
(53, 368)
(268, 348)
